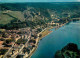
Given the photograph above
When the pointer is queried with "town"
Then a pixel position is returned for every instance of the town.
(22, 42)
(22, 28)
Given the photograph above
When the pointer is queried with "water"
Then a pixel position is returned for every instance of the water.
(70, 33)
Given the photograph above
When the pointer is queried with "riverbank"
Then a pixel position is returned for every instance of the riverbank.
(58, 40)
(44, 33)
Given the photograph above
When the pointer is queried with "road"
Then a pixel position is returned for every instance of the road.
(7, 53)
(15, 55)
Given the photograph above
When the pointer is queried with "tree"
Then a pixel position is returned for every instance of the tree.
(1, 39)
(21, 41)
(3, 51)
(39, 29)
(9, 41)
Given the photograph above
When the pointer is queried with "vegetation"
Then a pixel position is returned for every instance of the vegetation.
(39, 30)
(21, 41)
(3, 51)
(2, 39)
(14, 16)
(9, 41)
(69, 51)
(26, 50)
(32, 41)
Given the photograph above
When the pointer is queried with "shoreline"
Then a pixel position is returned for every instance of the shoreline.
(36, 45)
(40, 38)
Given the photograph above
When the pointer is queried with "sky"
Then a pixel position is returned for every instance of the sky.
(39, 0)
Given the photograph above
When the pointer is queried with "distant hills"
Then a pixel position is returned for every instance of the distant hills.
(33, 14)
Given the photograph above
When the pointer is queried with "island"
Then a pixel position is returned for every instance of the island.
(69, 51)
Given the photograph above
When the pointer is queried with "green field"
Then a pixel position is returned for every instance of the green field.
(5, 19)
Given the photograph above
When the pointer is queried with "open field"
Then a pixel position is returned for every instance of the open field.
(7, 16)
(17, 14)
(5, 19)
(44, 33)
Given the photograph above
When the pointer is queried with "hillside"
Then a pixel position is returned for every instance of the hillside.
(33, 14)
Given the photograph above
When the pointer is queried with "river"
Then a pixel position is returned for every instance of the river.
(70, 33)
